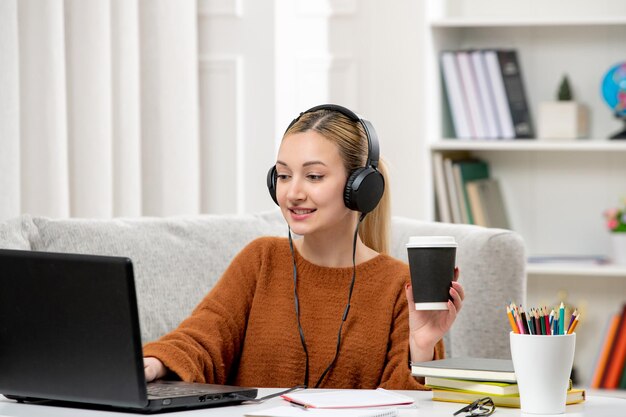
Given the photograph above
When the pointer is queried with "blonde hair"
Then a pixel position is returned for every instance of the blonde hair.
(351, 141)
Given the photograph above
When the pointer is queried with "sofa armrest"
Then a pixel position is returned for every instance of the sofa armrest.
(492, 264)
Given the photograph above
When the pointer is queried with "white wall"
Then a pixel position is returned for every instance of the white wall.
(237, 101)
(394, 97)
(121, 124)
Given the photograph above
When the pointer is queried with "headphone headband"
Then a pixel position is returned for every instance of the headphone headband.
(373, 150)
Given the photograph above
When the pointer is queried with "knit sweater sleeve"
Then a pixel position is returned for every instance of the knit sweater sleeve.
(397, 372)
(207, 345)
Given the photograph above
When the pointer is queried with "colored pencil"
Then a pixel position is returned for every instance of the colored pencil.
(525, 321)
(539, 319)
(571, 319)
(509, 314)
(573, 322)
(573, 326)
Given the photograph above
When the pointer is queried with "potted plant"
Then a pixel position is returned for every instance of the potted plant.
(564, 118)
(616, 223)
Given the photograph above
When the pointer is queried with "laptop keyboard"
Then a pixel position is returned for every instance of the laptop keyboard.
(170, 390)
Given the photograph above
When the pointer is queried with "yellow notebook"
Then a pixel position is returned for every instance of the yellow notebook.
(481, 387)
(574, 396)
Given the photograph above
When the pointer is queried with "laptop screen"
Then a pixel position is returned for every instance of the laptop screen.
(69, 329)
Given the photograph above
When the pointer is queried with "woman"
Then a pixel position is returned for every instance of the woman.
(330, 309)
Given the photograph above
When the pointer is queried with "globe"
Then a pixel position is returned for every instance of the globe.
(614, 93)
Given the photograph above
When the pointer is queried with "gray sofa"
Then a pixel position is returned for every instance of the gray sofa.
(178, 259)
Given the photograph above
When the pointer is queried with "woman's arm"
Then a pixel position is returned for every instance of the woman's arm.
(205, 345)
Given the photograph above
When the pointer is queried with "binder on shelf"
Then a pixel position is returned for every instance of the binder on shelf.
(508, 75)
(475, 108)
(503, 114)
(485, 89)
(456, 96)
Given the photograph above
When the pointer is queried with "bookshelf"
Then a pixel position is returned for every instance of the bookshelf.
(555, 190)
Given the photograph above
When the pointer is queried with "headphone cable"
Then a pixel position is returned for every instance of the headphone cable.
(297, 305)
(345, 312)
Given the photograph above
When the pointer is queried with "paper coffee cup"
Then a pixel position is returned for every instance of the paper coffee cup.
(431, 263)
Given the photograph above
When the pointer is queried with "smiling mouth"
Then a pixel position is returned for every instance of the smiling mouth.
(302, 211)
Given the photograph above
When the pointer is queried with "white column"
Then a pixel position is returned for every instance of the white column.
(88, 40)
(237, 81)
(125, 107)
(169, 106)
(9, 112)
(395, 106)
(43, 108)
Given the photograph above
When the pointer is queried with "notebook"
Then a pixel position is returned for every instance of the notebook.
(70, 332)
(347, 398)
(290, 411)
(476, 369)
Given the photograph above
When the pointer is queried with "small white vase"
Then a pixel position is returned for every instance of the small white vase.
(619, 248)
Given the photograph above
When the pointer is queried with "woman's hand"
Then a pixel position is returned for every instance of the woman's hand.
(153, 369)
(427, 327)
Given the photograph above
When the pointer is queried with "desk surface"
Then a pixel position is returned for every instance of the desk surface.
(424, 406)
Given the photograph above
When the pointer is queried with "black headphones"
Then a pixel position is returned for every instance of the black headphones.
(365, 185)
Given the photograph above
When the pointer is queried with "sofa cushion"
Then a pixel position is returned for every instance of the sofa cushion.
(176, 259)
(14, 233)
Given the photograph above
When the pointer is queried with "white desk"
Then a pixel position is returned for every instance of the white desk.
(595, 406)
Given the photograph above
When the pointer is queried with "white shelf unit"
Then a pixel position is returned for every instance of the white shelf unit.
(530, 145)
(555, 191)
(576, 270)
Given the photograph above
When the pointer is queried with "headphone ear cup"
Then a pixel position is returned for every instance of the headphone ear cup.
(271, 183)
(364, 190)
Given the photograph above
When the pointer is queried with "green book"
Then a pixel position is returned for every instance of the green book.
(470, 170)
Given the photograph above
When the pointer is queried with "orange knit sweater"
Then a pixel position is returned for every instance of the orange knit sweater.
(244, 332)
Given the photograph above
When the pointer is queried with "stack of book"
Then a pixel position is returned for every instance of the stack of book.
(610, 367)
(466, 193)
(464, 380)
(485, 94)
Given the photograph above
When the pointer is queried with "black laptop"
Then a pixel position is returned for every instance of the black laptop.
(69, 332)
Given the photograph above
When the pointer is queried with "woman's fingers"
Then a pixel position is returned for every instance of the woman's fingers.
(459, 288)
(457, 298)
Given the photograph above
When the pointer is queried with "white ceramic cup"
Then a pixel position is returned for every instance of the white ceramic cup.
(543, 365)
(431, 264)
